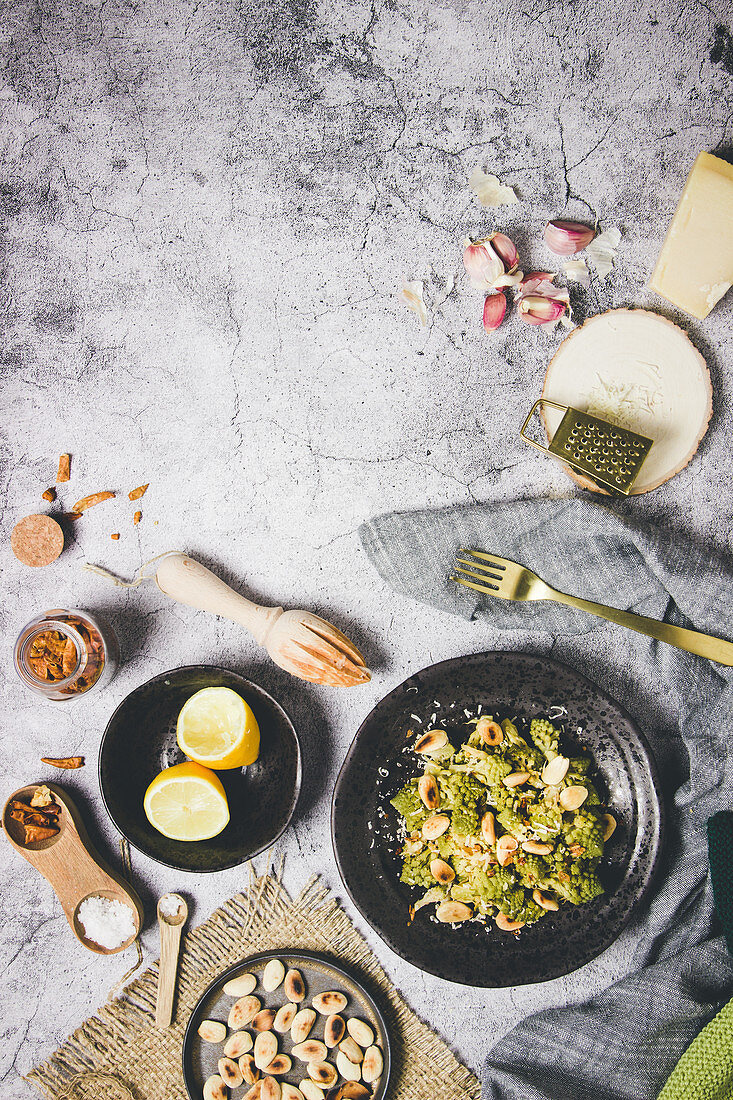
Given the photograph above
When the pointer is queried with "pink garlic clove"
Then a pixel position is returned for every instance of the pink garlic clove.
(482, 264)
(537, 310)
(566, 238)
(494, 310)
(506, 250)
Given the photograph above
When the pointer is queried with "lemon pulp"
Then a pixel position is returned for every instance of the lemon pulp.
(217, 728)
(187, 802)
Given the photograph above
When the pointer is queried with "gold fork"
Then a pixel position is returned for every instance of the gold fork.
(509, 581)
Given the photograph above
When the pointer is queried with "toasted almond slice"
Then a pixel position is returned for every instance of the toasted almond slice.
(244, 1011)
(452, 912)
(349, 1070)
(488, 828)
(506, 846)
(507, 925)
(433, 741)
(572, 798)
(64, 470)
(214, 1088)
(310, 1090)
(302, 1024)
(516, 779)
(250, 1073)
(238, 1044)
(273, 975)
(312, 1050)
(373, 1064)
(270, 1089)
(284, 1017)
(555, 771)
(91, 500)
(323, 1073)
(230, 1073)
(281, 1063)
(489, 731)
(609, 826)
(546, 900)
(427, 788)
(435, 826)
(361, 1032)
(294, 986)
(352, 1050)
(264, 1020)
(329, 1002)
(441, 871)
(135, 494)
(255, 1092)
(289, 1092)
(536, 847)
(334, 1029)
(352, 1090)
(212, 1031)
(265, 1049)
(241, 986)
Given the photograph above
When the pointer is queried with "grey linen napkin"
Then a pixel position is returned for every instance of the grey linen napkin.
(623, 1043)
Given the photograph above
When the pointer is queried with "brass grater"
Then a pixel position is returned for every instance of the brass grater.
(609, 455)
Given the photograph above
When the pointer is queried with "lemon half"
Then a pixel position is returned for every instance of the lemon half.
(217, 728)
(187, 802)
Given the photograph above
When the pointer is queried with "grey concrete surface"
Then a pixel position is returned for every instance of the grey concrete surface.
(208, 210)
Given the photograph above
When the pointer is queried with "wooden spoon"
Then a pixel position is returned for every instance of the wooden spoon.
(302, 643)
(72, 866)
(170, 927)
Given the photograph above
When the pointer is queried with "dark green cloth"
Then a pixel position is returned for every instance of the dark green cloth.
(720, 847)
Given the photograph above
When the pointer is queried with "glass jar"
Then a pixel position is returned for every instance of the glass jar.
(63, 654)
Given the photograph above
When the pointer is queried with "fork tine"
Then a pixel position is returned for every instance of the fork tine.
(493, 559)
(486, 569)
(476, 587)
(481, 577)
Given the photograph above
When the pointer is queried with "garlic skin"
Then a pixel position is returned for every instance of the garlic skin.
(482, 263)
(566, 238)
(412, 296)
(489, 190)
(577, 272)
(603, 251)
(494, 311)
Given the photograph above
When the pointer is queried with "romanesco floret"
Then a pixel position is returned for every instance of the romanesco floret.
(586, 829)
(576, 884)
(534, 870)
(491, 769)
(545, 737)
(407, 803)
(466, 794)
(580, 765)
(520, 905)
(416, 870)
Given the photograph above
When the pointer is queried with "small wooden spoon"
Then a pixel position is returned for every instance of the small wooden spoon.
(170, 942)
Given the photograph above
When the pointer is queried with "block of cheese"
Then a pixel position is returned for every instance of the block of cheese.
(695, 266)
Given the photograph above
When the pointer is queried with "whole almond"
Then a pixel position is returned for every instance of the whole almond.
(427, 788)
(230, 1073)
(294, 987)
(349, 1070)
(451, 912)
(212, 1031)
(264, 1020)
(302, 1024)
(241, 986)
(238, 1044)
(281, 1063)
(360, 1031)
(435, 826)
(312, 1050)
(334, 1029)
(265, 1049)
(330, 1002)
(270, 1089)
(323, 1073)
(555, 771)
(244, 1011)
(372, 1066)
(250, 1073)
(273, 975)
(431, 742)
(284, 1017)
(351, 1049)
(214, 1088)
(572, 798)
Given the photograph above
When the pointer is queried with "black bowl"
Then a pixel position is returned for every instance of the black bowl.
(140, 741)
(364, 824)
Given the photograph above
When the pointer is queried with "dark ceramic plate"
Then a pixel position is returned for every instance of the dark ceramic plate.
(364, 825)
(320, 974)
(140, 740)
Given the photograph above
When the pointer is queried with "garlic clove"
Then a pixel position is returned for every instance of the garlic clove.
(505, 249)
(566, 238)
(482, 263)
(494, 311)
(538, 310)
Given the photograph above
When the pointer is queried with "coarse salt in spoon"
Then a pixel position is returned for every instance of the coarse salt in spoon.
(172, 915)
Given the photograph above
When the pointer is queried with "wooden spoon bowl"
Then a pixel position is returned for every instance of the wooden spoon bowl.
(71, 864)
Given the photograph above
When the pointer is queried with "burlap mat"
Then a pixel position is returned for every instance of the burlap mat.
(122, 1039)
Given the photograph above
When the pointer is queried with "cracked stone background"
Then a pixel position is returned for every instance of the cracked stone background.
(208, 210)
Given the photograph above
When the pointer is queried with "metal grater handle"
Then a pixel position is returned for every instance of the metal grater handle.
(532, 411)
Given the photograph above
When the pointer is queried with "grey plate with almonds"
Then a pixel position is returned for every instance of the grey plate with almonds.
(320, 974)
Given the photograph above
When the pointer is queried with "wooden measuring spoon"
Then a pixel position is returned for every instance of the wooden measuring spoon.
(170, 927)
(71, 864)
